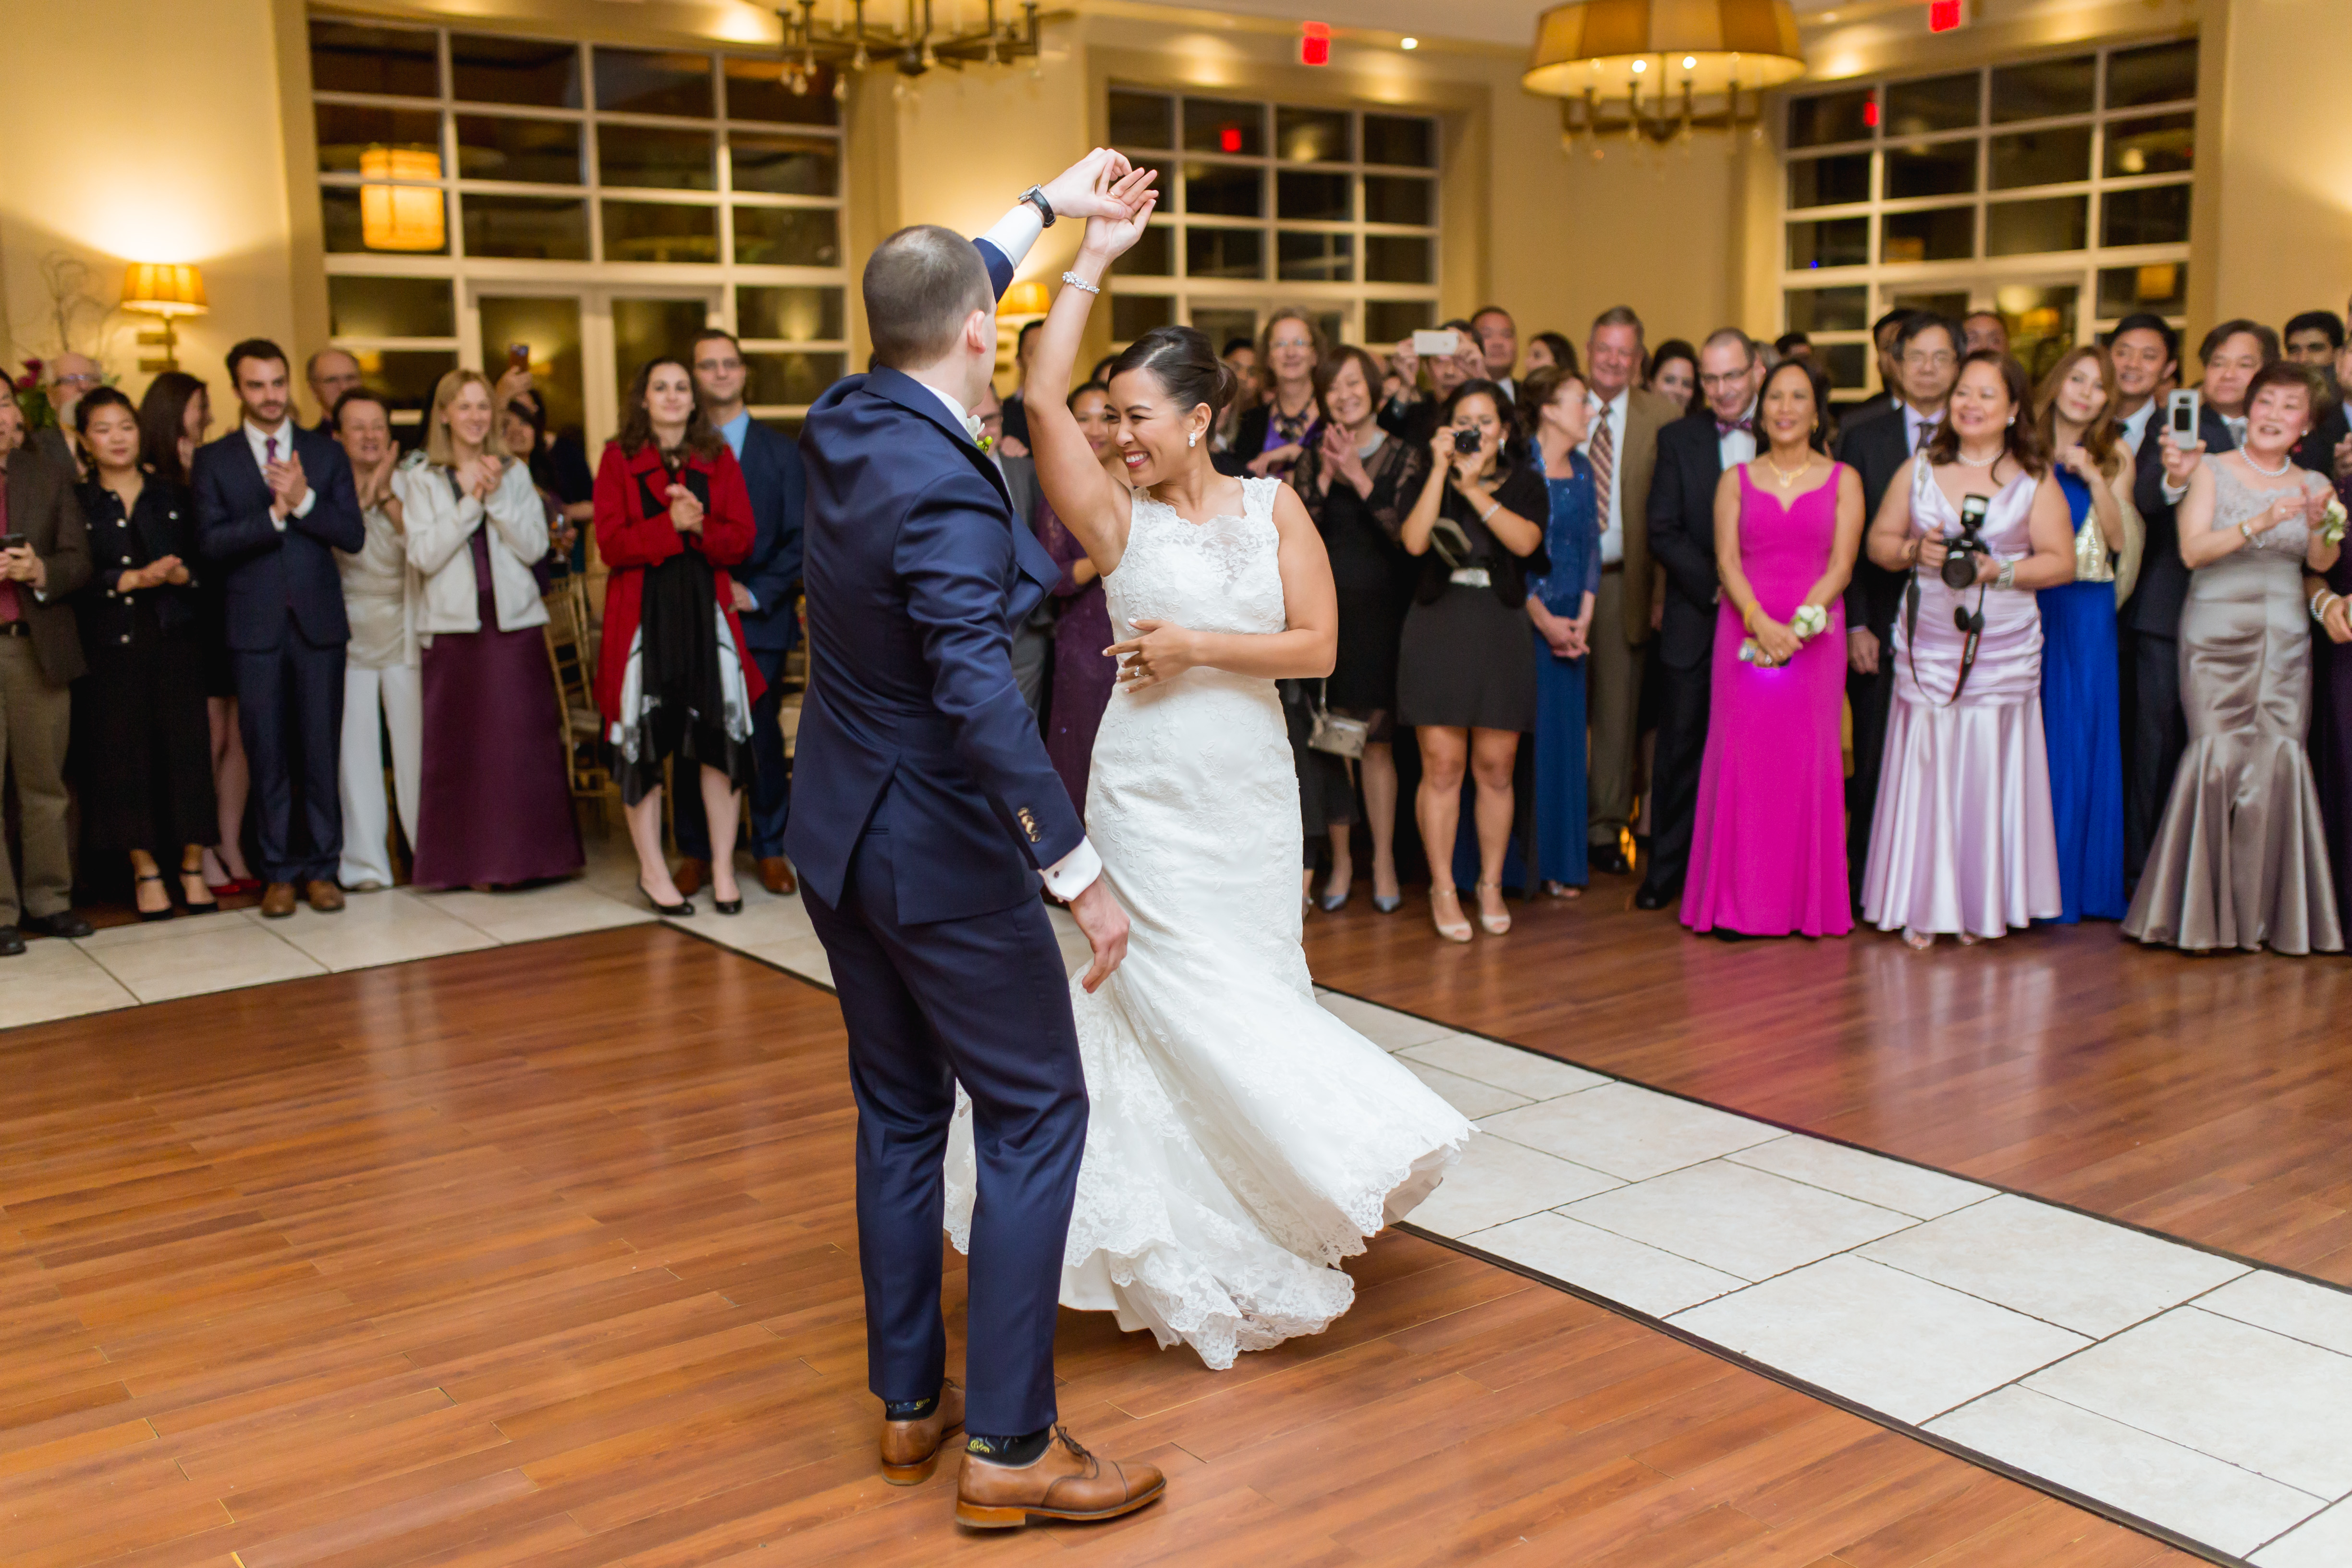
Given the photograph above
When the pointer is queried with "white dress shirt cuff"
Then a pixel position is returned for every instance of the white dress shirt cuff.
(310, 499)
(2173, 493)
(1016, 231)
(1073, 873)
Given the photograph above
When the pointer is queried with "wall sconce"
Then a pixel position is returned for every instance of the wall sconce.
(1026, 298)
(167, 289)
(402, 217)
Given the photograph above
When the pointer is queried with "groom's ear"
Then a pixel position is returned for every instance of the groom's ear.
(979, 332)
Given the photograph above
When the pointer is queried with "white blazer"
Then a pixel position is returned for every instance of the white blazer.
(438, 525)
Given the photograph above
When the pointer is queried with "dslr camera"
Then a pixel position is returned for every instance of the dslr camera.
(1465, 441)
(1960, 555)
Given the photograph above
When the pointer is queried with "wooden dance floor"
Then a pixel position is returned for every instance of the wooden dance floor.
(545, 1255)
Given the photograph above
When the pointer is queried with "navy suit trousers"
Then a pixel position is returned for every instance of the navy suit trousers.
(984, 1002)
(771, 778)
(289, 711)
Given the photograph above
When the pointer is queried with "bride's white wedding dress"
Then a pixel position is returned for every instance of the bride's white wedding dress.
(1241, 1140)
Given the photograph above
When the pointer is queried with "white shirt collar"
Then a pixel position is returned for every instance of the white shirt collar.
(956, 416)
(258, 438)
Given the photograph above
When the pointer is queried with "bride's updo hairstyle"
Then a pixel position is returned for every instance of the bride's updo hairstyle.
(1182, 360)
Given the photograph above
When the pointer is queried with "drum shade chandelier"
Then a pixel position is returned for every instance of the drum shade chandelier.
(1662, 69)
(847, 41)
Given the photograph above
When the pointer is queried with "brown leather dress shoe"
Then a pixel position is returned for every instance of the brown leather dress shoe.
(910, 1449)
(1066, 1482)
(325, 895)
(689, 876)
(278, 901)
(776, 876)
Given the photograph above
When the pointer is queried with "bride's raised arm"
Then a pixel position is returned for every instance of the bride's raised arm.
(1083, 497)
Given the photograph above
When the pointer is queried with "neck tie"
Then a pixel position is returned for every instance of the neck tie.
(269, 448)
(1603, 457)
(2237, 428)
(1726, 427)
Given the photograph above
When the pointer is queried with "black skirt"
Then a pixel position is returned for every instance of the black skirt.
(142, 759)
(1466, 663)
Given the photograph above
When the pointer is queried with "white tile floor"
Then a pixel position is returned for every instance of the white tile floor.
(2187, 1390)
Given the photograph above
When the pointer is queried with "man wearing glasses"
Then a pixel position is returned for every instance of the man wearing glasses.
(1927, 356)
(69, 377)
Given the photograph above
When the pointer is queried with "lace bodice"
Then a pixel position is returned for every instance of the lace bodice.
(1221, 575)
(2236, 501)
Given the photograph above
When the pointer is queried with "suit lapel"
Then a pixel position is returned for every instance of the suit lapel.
(915, 397)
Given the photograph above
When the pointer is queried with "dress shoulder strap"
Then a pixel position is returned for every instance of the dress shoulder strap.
(1257, 495)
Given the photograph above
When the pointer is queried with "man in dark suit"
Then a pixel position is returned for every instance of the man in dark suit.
(766, 587)
(2231, 353)
(2329, 448)
(1694, 453)
(1881, 338)
(927, 812)
(40, 656)
(274, 502)
(1926, 365)
(332, 372)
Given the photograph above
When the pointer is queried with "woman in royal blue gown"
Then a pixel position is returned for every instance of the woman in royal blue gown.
(2080, 705)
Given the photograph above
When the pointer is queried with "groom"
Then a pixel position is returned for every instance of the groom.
(924, 813)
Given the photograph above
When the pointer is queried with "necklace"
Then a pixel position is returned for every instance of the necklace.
(1785, 477)
(1966, 461)
(2278, 473)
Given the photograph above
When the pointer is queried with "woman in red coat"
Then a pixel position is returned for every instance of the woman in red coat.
(672, 678)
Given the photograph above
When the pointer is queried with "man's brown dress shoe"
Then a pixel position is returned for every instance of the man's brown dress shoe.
(689, 876)
(910, 1449)
(325, 895)
(278, 901)
(776, 876)
(1063, 1482)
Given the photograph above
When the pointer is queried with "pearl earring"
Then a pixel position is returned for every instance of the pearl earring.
(1191, 438)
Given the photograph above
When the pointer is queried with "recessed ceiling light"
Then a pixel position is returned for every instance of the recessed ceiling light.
(1408, 43)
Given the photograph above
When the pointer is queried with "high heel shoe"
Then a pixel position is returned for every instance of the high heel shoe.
(1331, 903)
(683, 907)
(211, 905)
(733, 906)
(1457, 931)
(1497, 925)
(1388, 903)
(162, 914)
(1918, 940)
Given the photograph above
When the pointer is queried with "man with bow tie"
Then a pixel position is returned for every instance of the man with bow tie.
(1694, 453)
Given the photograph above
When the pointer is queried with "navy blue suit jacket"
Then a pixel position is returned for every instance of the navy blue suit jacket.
(917, 575)
(2155, 606)
(268, 575)
(772, 473)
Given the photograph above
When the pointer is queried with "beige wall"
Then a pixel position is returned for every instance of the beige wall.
(2281, 231)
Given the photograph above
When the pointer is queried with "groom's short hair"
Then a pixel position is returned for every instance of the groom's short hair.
(920, 285)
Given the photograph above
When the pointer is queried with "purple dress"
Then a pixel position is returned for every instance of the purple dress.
(1768, 845)
(1083, 677)
(494, 804)
(1964, 838)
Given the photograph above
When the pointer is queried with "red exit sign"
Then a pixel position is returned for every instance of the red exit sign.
(1943, 15)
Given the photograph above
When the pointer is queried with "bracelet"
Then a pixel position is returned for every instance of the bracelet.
(1075, 281)
(1490, 511)
(2007, 576)
(2323, 602)
(2245, 533)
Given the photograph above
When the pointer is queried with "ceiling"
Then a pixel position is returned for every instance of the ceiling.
(1485, 21)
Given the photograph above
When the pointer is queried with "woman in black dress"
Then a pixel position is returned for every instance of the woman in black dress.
(1464, 679)
(1357, 482)
(142, 747)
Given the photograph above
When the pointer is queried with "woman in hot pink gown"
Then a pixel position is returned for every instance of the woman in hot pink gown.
(1768, 847)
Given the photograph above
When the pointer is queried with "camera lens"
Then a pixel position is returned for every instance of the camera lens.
(1465, 441)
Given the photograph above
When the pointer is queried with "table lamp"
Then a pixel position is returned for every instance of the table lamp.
(168, 289)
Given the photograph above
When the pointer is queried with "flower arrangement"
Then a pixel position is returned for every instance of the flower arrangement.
(33, 398)
(1810, 621)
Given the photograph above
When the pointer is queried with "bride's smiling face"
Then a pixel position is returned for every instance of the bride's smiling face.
(1152, 431)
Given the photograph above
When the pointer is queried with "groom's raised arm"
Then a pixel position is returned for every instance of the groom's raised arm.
(1081, 191)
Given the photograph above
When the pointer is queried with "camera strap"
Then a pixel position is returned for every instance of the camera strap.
(1970, 624)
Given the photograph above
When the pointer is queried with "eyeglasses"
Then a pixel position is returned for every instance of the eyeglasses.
(80, 380)
(1939, 360)
(1715, 383)
(717, 364)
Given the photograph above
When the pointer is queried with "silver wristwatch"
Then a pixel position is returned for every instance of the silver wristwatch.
(1035, 196)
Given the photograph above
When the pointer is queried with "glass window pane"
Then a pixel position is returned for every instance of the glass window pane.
(1154, 255)
(792, 312)
(1315, 257)
(657, 159)
(643, 329)
(756, 89)
(500, 147)
(1132, 315)
(1828, 117)
(788, 236)
(2044, 88)
(1828, 310)
(1950, 306)
(1213, 125)
(1938, 169)
(1404, 141)
(1221, 325)
(1846, 364)
(2157, 216)
(2161, 73)
(390, 307)
(514, 70)
(1224, 190)
(1142, 120)
(1830, 242)
(649, 231)
(1828, 182)
(415, 209)
(1938, 103)
(346, 56)
(1225, 252)
(2040, 157)
(1312, 136)
(1939, 234)
(2161, 287)
(405, 378)
(1399, 198)
(2022, 229)
(786, 166)
(653, 81)
(790, 378)
(348, 129)
(1399, 259)
(535, 228)
(2041, 322)
(2160, 145)
(549, 327)
(1392, 320)
(1303, 197)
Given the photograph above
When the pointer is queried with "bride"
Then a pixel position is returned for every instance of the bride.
(1241, 1140)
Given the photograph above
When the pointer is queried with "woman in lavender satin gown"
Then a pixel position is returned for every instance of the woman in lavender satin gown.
(1767, 842)
(1963, 839)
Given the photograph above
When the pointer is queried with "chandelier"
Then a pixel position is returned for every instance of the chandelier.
(1659, 70)
(910, 46)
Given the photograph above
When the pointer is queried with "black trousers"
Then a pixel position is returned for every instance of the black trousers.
(2159, 735)
(290, 707)
(1870, 696)
(1685, 700)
